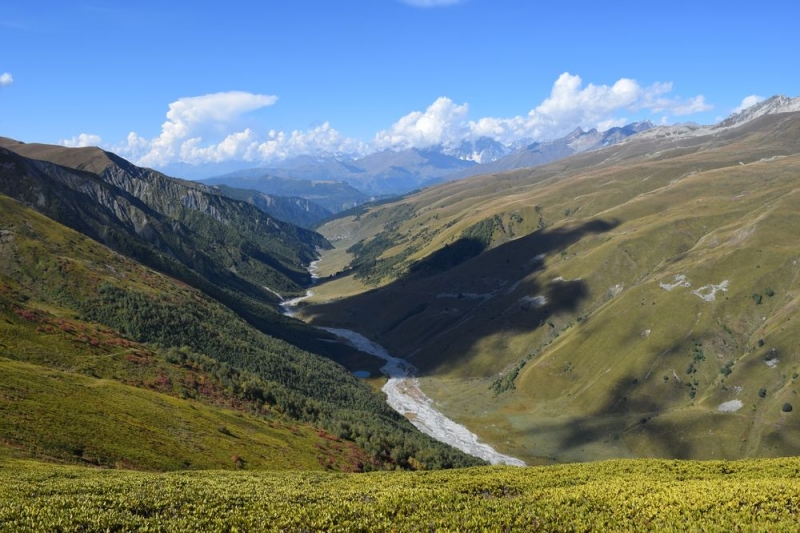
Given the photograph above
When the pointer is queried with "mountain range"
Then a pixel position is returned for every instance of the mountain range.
(396, 172)
(141, 329)
(333, 196)
(387, 172)
(535, 154)
(631, 301)
(340, 184)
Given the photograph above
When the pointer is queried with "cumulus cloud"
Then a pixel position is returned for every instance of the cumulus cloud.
(204, 129)
(6, 79)
(431, 3)
(570, 104)
(187, 135)
(79, 141)
(189, 118)
(323, 139)
(441, 123)
(748, 101)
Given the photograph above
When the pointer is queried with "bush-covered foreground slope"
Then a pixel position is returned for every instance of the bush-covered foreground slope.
(633, 495)
(104, 361)
(637, 301)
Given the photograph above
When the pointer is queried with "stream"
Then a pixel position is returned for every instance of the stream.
(403, 394)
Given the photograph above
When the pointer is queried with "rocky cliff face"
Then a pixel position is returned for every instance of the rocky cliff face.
(771, 106)
(173, 224)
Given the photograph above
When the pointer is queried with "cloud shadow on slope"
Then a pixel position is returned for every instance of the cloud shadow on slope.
(461, 295)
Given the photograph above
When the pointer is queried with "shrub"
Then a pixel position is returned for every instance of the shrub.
(787, 407)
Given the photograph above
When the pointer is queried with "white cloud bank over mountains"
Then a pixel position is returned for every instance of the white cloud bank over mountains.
(192, 122)
(569, 105)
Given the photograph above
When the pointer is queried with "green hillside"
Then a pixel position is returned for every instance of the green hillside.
(631, 302)
(652, 495)
(108, 362)
(229, 248)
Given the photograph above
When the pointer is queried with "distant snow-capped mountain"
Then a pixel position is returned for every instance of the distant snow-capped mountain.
(398, 172)
(540, 153)
(482, 150)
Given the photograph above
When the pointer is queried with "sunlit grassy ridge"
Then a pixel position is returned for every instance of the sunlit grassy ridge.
(652, 495)
(601, 306)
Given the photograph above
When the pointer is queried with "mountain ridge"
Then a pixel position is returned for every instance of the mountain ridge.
(556, 297)
(100, 318)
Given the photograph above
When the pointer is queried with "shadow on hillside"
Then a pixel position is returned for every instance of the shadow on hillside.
(462, 295)
(634, 405)
(625, 416)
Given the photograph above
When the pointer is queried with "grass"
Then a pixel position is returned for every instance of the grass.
(759, 495)
(110, 363)
(597, 354)
(66, 417)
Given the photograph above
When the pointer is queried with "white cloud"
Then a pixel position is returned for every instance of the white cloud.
(691, 106)
(569, 105)
(431, 3)
(79, 141)
(320, 140)
(189, 118)
(6, 79)
(187, 135)
(203, 129)
(442, 123)
(748, 101)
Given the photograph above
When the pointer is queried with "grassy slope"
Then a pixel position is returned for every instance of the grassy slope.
(63, 416)
(606, 496)
(79, 391)
(71, 382)
(712, 209)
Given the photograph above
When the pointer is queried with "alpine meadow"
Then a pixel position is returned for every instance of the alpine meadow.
(399, 265)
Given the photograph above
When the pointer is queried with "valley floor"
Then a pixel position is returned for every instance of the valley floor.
(621, 495)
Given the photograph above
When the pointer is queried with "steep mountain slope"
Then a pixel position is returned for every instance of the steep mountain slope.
(228, 242)
(620, 302)
(108, 362)
(294, 210)
(228, 249)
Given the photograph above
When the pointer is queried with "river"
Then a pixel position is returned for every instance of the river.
(403, 394)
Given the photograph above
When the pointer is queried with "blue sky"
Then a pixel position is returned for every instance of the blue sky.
(261, 80)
